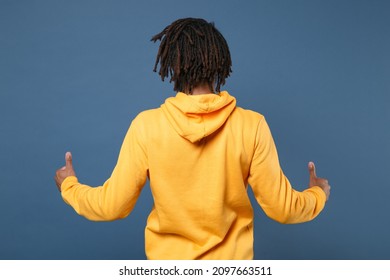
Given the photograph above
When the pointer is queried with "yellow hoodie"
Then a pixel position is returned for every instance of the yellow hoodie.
(199, 153)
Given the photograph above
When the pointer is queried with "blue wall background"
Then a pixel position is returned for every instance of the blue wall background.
(73, 74)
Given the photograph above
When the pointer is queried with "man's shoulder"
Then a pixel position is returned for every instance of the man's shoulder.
(149, 113)
(146, 121)
(247, 114)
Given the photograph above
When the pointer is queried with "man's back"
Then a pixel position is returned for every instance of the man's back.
(199, 151)
(201, 206)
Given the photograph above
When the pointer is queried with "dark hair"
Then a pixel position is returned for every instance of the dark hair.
(193, 52)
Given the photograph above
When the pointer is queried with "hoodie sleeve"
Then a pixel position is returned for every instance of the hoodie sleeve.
(273, 190)
(118, 195)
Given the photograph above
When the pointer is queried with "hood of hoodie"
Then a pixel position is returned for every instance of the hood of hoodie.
(197, 116)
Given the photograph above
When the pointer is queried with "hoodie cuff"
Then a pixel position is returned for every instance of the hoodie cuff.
(69, 182)
(320, 195)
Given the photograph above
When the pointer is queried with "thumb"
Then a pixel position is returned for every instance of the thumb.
(68, 160)
(312, 170)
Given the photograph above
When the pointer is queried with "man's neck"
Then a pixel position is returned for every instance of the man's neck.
(201, 89)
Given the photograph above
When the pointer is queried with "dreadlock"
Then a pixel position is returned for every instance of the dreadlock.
(193, 52)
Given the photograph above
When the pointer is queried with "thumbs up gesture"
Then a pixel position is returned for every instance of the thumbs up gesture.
(319, 182)
(65, 171)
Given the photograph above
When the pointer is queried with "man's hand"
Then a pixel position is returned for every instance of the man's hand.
(65, 171)
(320, 182)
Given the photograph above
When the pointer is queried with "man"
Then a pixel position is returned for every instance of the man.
(200, 152)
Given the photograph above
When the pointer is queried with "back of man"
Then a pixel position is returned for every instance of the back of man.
(200, 152)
